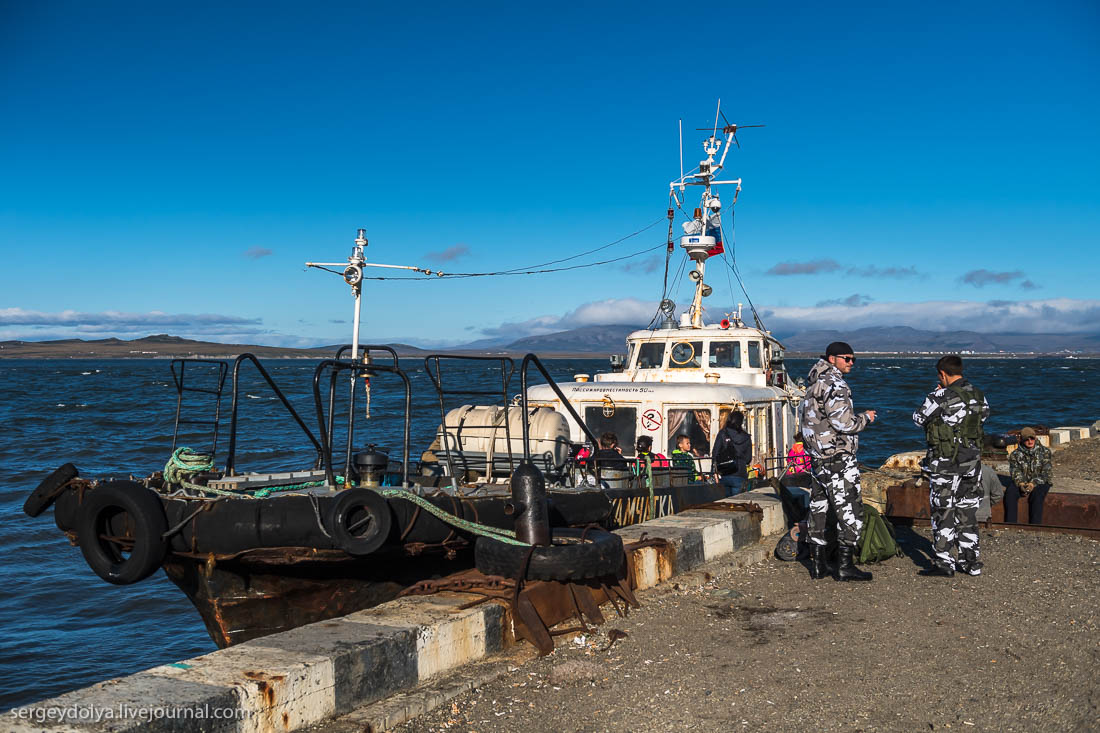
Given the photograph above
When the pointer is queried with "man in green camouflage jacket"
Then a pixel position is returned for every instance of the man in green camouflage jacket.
(1032, 475)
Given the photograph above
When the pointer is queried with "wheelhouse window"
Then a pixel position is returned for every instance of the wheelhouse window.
(686, 355)
(651, 356)
(614, 419)
(725, 354)
(754, 355)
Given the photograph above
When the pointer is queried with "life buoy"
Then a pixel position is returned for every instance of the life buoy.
(725, 323)
(677, 350)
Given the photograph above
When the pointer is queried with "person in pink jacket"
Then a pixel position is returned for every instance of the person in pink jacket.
(798, 461)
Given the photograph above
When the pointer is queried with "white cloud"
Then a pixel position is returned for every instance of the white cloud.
(1054, 315)
(626, 311)
(28, 325)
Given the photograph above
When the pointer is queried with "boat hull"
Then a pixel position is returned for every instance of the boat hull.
(253, 567)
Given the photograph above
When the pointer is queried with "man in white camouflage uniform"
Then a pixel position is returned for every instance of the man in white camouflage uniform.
(830, 426)
(952, 417)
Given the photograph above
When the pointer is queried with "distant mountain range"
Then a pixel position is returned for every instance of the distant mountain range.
(584, 341)
(887, 339)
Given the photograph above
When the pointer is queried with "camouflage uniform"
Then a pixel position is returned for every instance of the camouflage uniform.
(954, 465)
(830, 425)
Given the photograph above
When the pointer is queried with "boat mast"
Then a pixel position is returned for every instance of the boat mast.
(353, 276)
(702, 235)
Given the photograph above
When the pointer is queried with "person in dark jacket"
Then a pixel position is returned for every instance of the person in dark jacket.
(610, 455)
(732, 453)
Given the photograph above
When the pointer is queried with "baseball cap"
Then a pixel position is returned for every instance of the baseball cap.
(838, 348)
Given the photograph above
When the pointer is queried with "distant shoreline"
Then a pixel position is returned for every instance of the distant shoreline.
(171, 347)
(92, 356)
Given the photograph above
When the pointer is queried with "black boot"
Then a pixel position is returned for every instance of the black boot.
(846, 568)
(818, 567)
(937, 571)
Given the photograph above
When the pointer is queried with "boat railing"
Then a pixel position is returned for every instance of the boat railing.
(449, 442)
(527, 361)
(357, 369)
(182, 386)
(231, 458)
(366, 350)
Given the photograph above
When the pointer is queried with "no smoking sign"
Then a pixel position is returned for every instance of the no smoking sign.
(651, 420)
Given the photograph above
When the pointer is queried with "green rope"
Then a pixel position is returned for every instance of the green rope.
(185, 462)
(506, 536)
(269, 490)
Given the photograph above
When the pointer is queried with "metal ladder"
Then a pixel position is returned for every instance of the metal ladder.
(182, 387)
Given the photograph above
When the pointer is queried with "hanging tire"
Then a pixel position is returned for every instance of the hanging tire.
(359, 521)
(569, 557)
(66, 510)
(122, 509)
(41, 498)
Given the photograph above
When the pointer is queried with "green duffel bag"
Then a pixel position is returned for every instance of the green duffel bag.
(877, 543)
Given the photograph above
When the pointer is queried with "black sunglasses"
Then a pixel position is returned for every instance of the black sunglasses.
(849, 359)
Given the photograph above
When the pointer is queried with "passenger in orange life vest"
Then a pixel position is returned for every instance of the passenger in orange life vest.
(798, 461)
(646, 455)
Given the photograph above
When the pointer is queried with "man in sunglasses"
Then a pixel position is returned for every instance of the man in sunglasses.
(830, 426)
(952, 417)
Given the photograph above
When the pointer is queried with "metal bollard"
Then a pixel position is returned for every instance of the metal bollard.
(529, 498)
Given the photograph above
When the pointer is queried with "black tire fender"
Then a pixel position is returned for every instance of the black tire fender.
(574, 554)
(47, 491)
(117, 508)
(359, 521)
(66, 510)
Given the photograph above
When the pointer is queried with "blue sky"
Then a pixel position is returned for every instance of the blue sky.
(168, 167)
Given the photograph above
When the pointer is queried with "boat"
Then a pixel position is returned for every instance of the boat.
(259, 553)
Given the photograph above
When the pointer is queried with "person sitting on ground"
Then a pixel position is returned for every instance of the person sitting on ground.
(683, 457)
(646, 456)
(1032, 475)
(732, 453)
(798, 461)
(610, 455)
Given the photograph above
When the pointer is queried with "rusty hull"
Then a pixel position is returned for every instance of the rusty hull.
(260, 592)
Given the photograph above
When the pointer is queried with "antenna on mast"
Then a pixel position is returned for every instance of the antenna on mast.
(681, 150)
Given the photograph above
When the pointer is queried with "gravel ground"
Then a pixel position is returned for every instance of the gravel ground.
(766, 648)
(1078, 459)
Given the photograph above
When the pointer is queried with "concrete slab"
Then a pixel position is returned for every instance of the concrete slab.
(773, 521)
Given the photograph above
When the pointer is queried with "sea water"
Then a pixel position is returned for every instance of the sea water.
(61, 627)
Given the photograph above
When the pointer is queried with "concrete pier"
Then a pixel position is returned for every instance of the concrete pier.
(298, 678)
